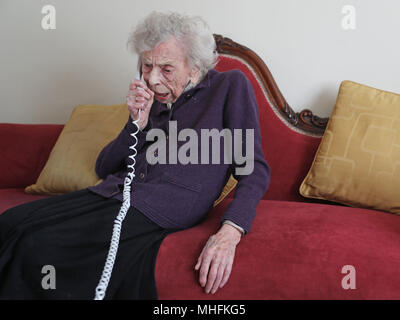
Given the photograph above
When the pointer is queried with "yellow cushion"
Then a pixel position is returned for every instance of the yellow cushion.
(358, 160)
(71, 164)
(230, 185)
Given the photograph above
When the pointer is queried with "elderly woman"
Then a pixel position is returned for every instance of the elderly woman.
(71, 232)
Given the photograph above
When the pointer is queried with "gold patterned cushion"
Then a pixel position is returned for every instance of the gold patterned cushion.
(358, 160)
(71, 164)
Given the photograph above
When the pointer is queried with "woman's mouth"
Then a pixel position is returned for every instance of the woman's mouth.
(161, 96)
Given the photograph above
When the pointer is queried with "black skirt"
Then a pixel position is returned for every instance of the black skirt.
(56, 248)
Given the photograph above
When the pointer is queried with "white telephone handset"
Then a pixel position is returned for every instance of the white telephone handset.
(126, 203)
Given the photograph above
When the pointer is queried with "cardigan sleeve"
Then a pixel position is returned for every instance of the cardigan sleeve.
(253, 175)
(112, 158)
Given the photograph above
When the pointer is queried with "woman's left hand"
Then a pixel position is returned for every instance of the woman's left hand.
(216, 259)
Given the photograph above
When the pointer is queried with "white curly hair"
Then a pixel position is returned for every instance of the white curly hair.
(192, 32)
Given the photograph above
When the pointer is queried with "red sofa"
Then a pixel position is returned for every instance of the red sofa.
(296, 248)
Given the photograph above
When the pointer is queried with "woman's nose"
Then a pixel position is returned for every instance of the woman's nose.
(154, 78)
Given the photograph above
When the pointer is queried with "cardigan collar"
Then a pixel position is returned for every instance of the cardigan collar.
(205, 83)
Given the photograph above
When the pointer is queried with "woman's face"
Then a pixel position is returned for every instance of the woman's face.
(166, 70)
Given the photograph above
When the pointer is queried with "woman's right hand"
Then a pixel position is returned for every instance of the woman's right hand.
(139, 97)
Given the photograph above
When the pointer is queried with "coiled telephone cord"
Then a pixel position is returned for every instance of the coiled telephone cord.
(126, 203)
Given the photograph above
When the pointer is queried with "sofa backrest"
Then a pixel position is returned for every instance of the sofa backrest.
(25, 150)
(288, 149)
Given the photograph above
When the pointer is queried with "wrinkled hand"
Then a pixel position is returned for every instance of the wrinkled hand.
(216, 259)
(139, 97)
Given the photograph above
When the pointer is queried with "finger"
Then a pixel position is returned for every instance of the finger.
(135, 108)
(142, 93)
(139, 93)
(205, 265)
(142, 85)
(136, 102)
(227, 273)
(212, 275)
(137, 84)
(220, 273)
(131, 95)
(199, 260)
(139, 99)
(151, 93)
(133, 85)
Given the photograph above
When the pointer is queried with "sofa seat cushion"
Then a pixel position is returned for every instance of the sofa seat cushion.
(295, 250)
(15, 196)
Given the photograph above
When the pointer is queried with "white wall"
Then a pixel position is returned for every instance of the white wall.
(44, 74)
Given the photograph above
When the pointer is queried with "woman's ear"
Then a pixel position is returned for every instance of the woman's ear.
(195, 75)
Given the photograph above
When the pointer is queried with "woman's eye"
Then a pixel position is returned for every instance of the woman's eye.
(167, 70)
(147, 66)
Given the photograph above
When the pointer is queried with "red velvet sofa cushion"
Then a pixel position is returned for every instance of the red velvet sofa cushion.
(25, 149)
(12, 197)
(294, 251)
